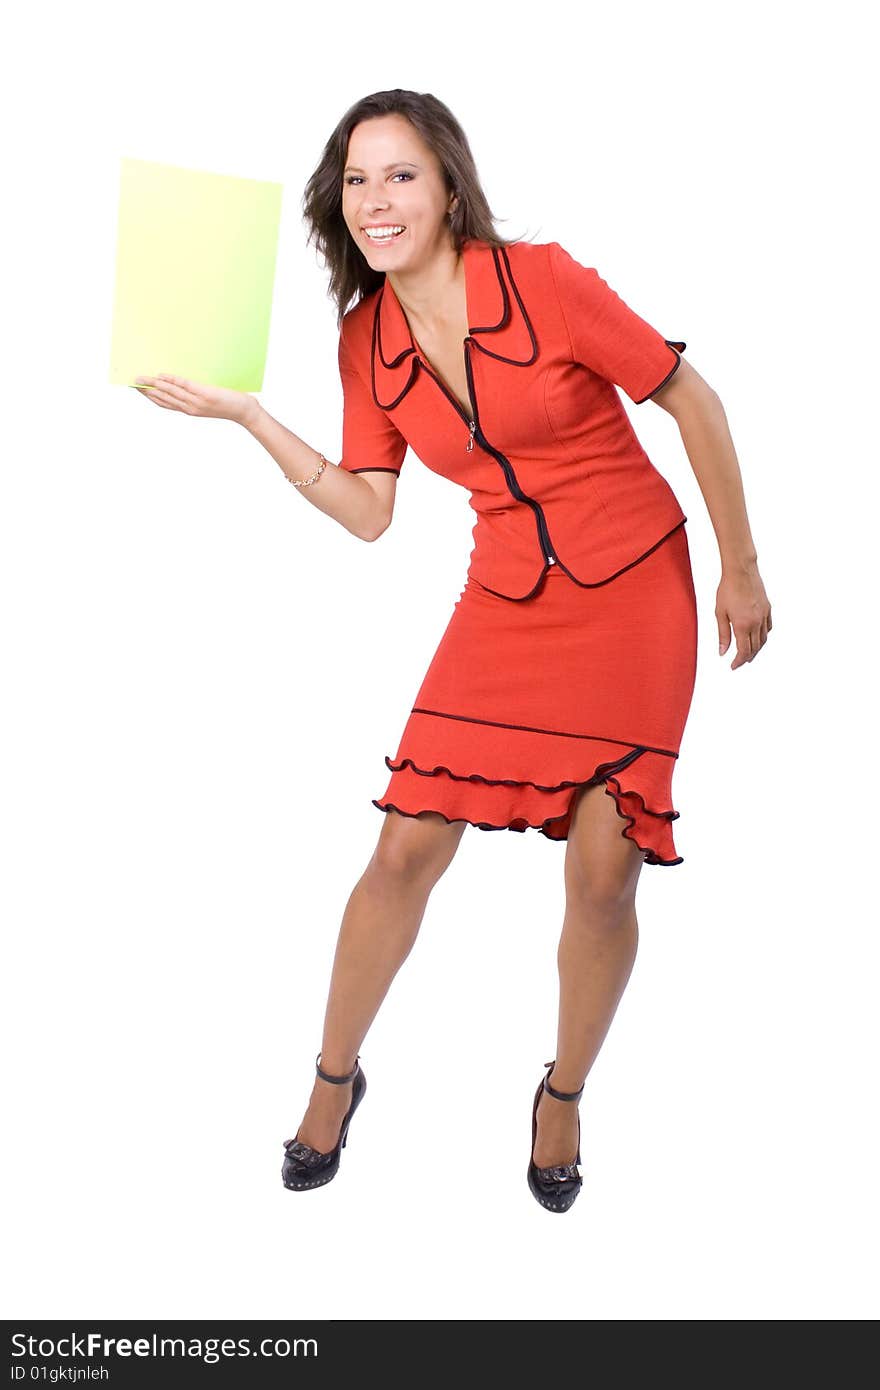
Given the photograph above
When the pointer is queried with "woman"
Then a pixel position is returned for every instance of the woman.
(559, 692)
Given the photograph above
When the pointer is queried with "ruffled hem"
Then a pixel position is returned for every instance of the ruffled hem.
(637, 777)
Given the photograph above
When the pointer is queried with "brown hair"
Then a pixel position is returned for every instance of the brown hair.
(350, 273)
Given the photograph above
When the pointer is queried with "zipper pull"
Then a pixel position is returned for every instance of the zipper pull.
(470, 443)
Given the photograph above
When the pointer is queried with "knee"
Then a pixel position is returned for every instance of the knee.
(601, 895)
(395, 865)
(413, 852)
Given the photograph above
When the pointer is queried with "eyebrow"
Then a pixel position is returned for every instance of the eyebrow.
(353, 169)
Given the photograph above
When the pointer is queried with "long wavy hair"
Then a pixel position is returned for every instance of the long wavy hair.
(351, 276)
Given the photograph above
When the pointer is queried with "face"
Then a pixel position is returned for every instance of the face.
(393, 179)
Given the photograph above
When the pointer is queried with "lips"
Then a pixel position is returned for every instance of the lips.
(383, 241)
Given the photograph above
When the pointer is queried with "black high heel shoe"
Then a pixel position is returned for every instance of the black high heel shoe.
(304, 1166)
(555, 1187)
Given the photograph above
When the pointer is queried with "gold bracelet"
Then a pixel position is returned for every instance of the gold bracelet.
(304, 482)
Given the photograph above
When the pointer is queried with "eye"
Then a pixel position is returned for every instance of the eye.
(403, 174)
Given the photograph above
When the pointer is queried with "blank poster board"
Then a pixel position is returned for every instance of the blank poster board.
(195, 272)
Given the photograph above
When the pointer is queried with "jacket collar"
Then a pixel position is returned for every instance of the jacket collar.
(498, 324)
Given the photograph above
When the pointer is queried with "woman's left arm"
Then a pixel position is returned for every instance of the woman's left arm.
(741, 602)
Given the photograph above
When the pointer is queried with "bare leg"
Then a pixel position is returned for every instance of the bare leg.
(596, 953)
(379, 927)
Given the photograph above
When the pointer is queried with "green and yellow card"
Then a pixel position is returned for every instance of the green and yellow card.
(195, 272)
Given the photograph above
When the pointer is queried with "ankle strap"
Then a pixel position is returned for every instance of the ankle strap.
(561, 1095)
(337, 1080)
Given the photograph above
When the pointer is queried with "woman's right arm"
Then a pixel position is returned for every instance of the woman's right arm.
(363, 508)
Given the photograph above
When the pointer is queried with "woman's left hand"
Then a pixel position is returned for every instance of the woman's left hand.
(742, 604)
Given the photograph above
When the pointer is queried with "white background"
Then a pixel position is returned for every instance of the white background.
(203, 675)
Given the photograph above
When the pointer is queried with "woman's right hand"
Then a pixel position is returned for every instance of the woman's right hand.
(196, 398)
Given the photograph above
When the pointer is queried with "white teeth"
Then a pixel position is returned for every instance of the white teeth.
(384, 234)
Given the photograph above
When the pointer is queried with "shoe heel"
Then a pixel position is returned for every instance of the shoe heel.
(305, 1167)
(557, 1186)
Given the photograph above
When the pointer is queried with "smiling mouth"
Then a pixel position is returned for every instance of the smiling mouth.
(386, 237)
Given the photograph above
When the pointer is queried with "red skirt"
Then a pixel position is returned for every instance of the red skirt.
(527, 701)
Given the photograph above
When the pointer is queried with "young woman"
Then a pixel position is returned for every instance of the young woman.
(558, 695)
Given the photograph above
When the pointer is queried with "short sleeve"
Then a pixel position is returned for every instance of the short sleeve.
(371, 442)
(606, 335)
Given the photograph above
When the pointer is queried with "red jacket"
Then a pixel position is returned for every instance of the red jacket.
(554, 468)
